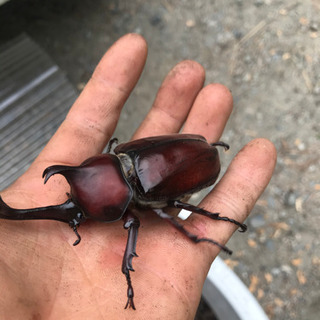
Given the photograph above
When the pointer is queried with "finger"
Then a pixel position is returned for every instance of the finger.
(210, 112)
(237, 192)
(92, 119)
(173, 101)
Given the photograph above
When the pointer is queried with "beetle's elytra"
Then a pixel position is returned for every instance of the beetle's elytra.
(151, 173)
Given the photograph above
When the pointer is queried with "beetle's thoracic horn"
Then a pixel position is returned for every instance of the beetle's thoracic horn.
(50, 171)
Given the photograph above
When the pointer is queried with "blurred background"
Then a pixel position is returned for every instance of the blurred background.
(265, 51)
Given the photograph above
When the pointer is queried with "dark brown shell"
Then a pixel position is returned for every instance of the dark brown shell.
(172, 166)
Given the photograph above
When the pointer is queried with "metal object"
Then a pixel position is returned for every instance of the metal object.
(35, 96)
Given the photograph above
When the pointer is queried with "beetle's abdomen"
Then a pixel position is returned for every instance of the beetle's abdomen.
(172, 170)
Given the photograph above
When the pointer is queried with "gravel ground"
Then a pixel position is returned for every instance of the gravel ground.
(267, 53)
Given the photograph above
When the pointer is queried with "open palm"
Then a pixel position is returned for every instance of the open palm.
(43, 276)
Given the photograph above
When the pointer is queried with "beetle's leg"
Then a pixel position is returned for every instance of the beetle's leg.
(214, 216)
(190, 235)
(75, 224)
(110, 144)
(221, 144)
(132, 223)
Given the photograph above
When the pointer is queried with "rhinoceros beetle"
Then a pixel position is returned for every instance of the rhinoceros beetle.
(150, 173)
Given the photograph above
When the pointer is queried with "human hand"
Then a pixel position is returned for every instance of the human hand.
(44, 276)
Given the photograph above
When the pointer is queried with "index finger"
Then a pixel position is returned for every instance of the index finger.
(93, 117)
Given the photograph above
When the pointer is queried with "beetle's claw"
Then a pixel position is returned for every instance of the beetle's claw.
(74, 224)
(130, 304)
(78, 235)
(221, 144)
(243, 227)
(130, 293)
